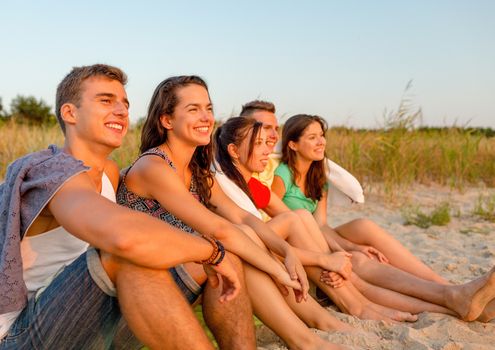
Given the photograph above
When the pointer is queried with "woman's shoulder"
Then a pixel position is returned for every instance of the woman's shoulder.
(283, 170)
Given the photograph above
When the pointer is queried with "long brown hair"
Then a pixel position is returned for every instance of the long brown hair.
(234, 131)
(164, 101)
(293, 129)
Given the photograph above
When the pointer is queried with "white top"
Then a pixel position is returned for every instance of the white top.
(44, 255)
(236, 194)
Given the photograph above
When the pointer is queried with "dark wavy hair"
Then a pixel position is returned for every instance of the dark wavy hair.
(163, 102)
(292, 131)
(234, 131)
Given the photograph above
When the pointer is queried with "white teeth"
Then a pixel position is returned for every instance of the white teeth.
(114, 126)
(202, 129)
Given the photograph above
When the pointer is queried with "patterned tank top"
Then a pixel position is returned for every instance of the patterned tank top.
(151, 206)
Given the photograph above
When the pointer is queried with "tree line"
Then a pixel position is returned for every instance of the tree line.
(28, 110)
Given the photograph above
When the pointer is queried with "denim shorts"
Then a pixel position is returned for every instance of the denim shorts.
(77, 310)
(187, 285)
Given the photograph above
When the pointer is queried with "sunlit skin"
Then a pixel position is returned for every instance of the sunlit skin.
(155, 312)
(193, 119)
(468, 301)
(96, 125)
(372, 233)
(270, 125)
(259, 156)
(310, 146)
(291, 228)
(189, 126)
(101, 118)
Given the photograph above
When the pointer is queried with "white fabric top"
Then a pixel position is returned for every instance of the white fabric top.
(44, 255)
(236, 194)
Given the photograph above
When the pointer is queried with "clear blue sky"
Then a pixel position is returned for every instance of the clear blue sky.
(344, 60)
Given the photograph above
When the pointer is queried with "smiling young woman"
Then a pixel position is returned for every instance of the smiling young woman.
(172, 181)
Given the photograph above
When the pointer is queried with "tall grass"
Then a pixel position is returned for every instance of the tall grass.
(393, 157)
(397, 158)
(401, 153)
(17, 140)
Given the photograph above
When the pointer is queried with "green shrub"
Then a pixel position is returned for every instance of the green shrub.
(440, 216)
(485, 208)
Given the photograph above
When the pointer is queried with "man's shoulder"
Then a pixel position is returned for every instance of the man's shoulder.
(51, 158)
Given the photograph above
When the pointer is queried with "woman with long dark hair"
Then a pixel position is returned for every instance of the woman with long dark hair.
(172, 180)
(241, 150)
(300, 182)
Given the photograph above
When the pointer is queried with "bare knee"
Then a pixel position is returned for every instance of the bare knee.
(251, 234)
(291, 219)
(363, 224)
(121, 270)
(291, 216)
(359, 260)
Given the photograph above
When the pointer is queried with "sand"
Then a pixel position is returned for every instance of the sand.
(460, 251)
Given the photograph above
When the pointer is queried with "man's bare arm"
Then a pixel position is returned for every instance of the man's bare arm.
(132, 235)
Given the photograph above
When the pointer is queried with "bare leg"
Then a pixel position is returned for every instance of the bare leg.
(271, 307)
(273, 310)
(395, 300)
(154, 308)
(347, 298)
(366, 232)
(315, 316)
(488, 313)
(467, 300)
(313, 229)
(231, 323)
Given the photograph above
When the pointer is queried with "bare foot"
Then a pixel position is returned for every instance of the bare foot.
(343, 327)
(395, 315)
(488, 313)
(332, 324)
(369, 313)
(469, 300)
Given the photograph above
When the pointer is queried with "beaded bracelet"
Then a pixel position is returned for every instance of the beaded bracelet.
(218, 253)
(222, 254)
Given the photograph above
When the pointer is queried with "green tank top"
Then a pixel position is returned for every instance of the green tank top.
(294, 198)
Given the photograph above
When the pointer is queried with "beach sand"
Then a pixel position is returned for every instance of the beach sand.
(460, 251)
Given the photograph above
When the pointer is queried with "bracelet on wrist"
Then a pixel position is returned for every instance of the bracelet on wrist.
(218, 253)
(221, 254)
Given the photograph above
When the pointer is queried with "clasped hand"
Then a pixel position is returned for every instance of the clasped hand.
(225, 273)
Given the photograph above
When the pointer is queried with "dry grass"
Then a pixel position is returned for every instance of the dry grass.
(398, 158)
(17, 140)
(395, 158)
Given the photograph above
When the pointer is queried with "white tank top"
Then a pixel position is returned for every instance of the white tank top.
(44, 255)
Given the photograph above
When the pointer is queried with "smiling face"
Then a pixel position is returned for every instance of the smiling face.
(311, 144)
(102, 114)
(257, 161)
(270, 125)
(192, 120)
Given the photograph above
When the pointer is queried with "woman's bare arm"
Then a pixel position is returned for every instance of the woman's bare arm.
(156, 179)
(129, 234)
